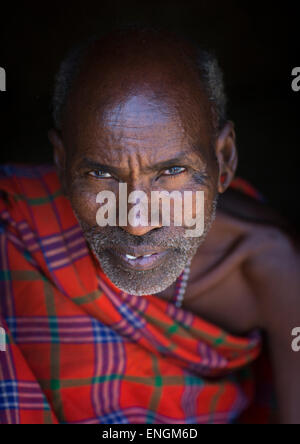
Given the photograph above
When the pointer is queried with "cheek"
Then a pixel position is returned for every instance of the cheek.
(82, 193)
(200, 203)
(85, 206)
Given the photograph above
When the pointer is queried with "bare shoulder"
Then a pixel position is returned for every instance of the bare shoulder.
(275, 261)
(273, 273)
(272, 265)
(259, 221)
(271, 268)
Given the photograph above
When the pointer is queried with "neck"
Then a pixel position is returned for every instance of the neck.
(168, 293)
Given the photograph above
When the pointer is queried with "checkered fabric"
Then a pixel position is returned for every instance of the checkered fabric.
(79, 350)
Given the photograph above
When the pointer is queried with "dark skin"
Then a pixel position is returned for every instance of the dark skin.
(246, 274)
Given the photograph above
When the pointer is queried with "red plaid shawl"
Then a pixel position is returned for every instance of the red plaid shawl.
(81, 351)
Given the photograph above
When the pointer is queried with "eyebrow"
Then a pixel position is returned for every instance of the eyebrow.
(93, 165)
(180, 158)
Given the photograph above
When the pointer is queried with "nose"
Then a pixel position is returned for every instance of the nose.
(139, 222)
(139, 230)
(139, 219)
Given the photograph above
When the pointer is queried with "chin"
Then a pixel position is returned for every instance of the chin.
(144, 291)
(141, 283)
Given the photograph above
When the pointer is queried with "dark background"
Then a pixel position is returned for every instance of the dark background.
(257, 44)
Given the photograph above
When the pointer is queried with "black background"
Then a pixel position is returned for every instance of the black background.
(257, 44)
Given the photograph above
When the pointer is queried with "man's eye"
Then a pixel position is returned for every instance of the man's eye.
(99, 174)
(174, 171)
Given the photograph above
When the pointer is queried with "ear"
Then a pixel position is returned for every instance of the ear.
(59, 152)
(227, 156)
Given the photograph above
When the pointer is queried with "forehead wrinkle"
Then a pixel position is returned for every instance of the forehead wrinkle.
(140, 111)
(142, 155)
(137, 119)
(145, 137)
(144, 141)
(137, 125)
(119, 145)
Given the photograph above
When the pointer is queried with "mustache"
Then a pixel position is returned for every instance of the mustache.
(115, 236)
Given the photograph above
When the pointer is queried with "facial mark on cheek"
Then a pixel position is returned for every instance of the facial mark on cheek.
(200, 178)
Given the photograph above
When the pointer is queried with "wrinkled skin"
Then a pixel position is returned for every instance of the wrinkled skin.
(139, 126)
(132, 107)
(132, 137)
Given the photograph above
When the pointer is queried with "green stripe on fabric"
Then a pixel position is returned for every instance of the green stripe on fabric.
(193, 380)
(47, 415)
(157, 390)
(5, 275)
(165, 349)
(214, 401)
(39, 200)
(55, 384)
(220, 340)
(27, 275)
(54, 352)
(185, 331)
(87, 298)
(175, 380)
(104, 378)
(27, 255)
(203, 336)
(182, 330)
(173, 329)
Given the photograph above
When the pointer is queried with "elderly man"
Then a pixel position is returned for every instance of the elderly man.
(139, 323)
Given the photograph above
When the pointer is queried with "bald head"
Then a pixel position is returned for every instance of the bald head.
(133, 60)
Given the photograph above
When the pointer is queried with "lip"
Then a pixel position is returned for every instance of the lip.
(141, 263)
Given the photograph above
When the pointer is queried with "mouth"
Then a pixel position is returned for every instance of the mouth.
(139, 261)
